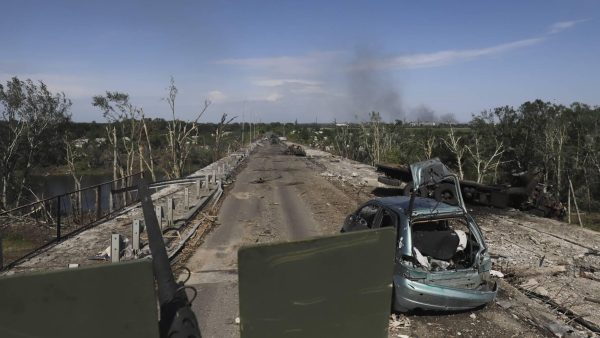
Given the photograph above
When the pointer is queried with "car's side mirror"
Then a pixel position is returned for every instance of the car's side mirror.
(355, 222)
(348, 223)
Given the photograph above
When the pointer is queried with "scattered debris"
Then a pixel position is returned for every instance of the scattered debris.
(593, 300)
(102, 255)
(495, 273)
(294, 149)
(505, 304)
(534, 271)
(262, 180)
(399, 321)
(530, 283)
(589, 275)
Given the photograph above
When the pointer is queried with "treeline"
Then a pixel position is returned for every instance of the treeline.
(555, 142)
(38, 136)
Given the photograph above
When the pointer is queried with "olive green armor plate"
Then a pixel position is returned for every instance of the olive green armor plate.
(336, 286)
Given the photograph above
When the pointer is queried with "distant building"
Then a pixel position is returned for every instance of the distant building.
(422, 124)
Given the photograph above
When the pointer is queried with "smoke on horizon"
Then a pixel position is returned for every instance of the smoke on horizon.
(371, 89)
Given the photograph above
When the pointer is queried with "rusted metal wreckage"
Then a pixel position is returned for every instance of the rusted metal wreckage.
(525, 191)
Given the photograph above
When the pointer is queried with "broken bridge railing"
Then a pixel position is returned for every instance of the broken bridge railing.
(28, 228)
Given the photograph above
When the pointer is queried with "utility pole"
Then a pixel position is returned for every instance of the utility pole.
(243, 120)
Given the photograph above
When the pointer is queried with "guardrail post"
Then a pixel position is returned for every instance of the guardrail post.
(198, 185)
(158, 211)
(58, 218)
(115, 248)
(214, 175)
(186, 198)
(206, 182)
(110, 199)
(98, 202)
(169, 212)
(136, 229)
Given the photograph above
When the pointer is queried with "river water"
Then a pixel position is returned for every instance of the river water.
(52, 185)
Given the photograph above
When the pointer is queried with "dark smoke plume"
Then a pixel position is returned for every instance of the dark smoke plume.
(423, 113)
(372, 89)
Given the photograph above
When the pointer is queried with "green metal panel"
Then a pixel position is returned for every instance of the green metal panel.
(336, 286)
(115, 300)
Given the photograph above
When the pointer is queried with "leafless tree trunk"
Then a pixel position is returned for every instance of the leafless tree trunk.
(372, 137)
(428, 145)
(483, 163)
(15, 128)
(150, 162)
(180, 134)
(454, 144)
(219, 135)
(71, 158)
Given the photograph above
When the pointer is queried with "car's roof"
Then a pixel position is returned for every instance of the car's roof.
(421, 207)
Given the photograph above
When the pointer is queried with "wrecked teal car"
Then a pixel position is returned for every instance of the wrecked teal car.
(441, 261)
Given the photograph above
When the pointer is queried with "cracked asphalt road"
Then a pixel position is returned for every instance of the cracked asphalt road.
(264, 205)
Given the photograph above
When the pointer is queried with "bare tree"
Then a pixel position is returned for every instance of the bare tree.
(485, 163)
(343, 141)
(71, 158)
(219, 133)
(374, 137)
(428, 143)
(147, 163)
(181, 133)
(555, 136)
(124, 130)
(454, 144)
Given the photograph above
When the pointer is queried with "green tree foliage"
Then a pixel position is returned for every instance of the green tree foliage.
(32, 120)
(554, 141)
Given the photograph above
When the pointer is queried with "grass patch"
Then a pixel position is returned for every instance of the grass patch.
(590, 220)
(16, 242)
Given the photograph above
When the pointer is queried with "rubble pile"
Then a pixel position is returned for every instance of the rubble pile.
(342, 169)
(546, 259)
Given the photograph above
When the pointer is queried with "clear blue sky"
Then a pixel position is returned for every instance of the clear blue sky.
(307, 60)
